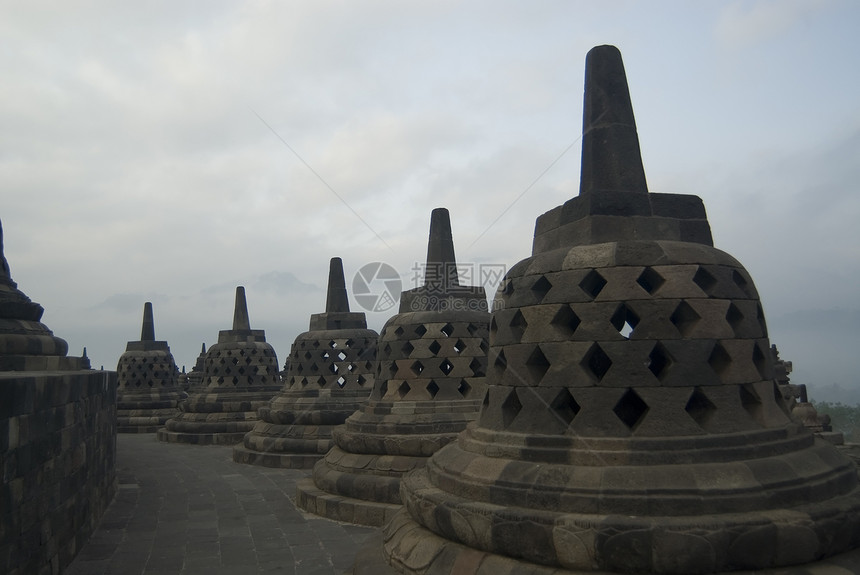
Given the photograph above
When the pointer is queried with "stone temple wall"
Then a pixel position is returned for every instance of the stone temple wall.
(58, 459)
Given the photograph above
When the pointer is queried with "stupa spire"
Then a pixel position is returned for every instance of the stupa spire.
(611, 159)
(336, 298)
(241, 322)
(147, 331)
(4, 265)
(441, 262)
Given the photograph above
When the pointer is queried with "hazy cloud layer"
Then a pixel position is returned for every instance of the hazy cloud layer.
(169, 151)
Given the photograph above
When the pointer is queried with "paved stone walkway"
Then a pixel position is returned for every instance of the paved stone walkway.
(189, 509)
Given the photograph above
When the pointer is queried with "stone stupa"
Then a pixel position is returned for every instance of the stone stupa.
(331, 371)
(148, 391)
(632, 423)
(195, 376)
(430, 381)
(240, 375)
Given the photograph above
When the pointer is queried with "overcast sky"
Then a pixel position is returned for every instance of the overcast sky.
(170, 151)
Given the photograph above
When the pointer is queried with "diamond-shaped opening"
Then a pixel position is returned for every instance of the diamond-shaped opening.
(501, 362)
(235, 380)
(321, 381)
(341, 381)
(650, 280)
(417, 367)
(704, 280)
(314, 368)
(566, 320)
(420, 331)
(700, 408)
(659, 361)
(593, 283)
(537, 364)
(510, 408)
(541, 287)
(781, 400)
(477, 367)
(434, 347)
(407, 348)
(564, 406)
(392, 367)
(325, 355)
(464, 388)
(507, 286)
(403, 389)
(432, 388)
(368, 365)
(361, 380)
(241, 371)
(351, 367)
(316, 344)
(447, 330)
(349, 343)
(518, 325)
(387, 349)
(624, 320)
(399, 331)
(300, 368)
(630, 409)
(304, 381)
(751, 401)
(493, 326)
(740, 281)
(341, 355)
(684, 318)
(472, 329)
(459, 346)
(332, 344)
(446, 366)
(760, 362)
(333, 367)
(734, 316)
(596, 361)
(485, 347)
(719, 360)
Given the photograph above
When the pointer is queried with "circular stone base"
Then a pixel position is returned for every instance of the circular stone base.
(419, 550)
(200, 438)
(242, 454)
(340, 508)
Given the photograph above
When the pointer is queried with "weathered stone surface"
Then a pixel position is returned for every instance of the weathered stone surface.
(57, 440)
(148, 391)
(332, 368)
(240, 375)
(432, 362)
(632, 421)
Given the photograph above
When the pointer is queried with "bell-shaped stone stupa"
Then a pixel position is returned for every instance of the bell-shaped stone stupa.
(240, 376)
(148, 391)
(332, 368)
(632, 423)
(432, 364)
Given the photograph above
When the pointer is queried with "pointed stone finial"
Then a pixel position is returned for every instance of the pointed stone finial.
(241, 322)
(203, 348)
(336, 298)
(441, 264)
(611, 160)
(85, 352)
(147, 331)
(4, 265)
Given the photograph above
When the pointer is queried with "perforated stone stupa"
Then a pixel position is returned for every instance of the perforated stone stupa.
(148, 391)
(240, 376)
(332, 368)
(631, 423)
(432, 365)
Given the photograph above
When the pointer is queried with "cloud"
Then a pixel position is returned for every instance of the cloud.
(744, 23)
